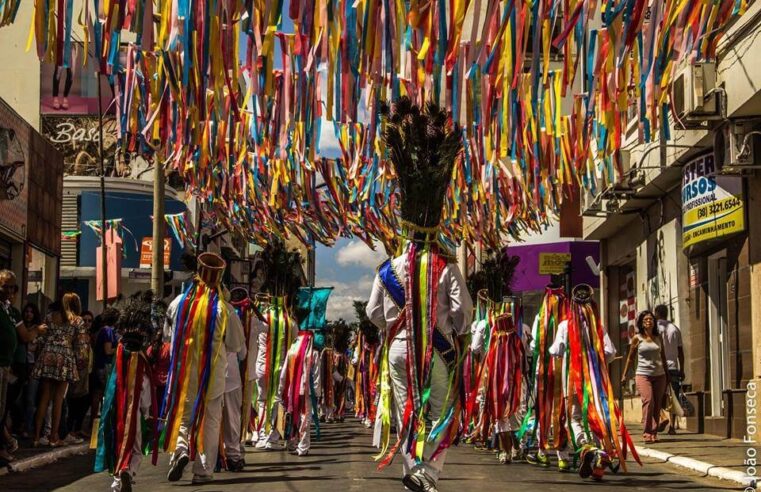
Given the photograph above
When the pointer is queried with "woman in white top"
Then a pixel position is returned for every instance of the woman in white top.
(651, 376)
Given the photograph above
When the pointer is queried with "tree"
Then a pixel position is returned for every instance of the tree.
(360, 307)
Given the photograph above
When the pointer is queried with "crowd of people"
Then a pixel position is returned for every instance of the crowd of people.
(215, 370)
(53, 369)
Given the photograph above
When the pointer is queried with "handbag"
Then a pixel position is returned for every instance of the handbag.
(673, 404)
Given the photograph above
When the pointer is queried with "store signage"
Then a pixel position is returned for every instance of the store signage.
(146, 252)
(553, 263)
(712, 205)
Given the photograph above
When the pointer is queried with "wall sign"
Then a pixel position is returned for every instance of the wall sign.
(712, 205)
(553, 263)
(146, 252)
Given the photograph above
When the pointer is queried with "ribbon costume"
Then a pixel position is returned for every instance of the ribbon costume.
(299, 391)
(129, 407)
(597, 430)
(366, 355)
(420, 301)
(501, 379)
(254, 328)
(273, 348)
(545, 420)
(203, 328)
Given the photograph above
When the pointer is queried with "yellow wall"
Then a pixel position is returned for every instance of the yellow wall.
(20, 70)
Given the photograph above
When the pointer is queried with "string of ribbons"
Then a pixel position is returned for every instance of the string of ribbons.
(229, 95)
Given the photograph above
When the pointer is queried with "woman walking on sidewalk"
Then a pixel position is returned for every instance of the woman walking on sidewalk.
(56, 367)
(651, 377)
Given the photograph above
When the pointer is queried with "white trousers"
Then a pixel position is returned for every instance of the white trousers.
(577, 427)
(137, 447)
(273, 435)
(439, 383)
(233, 402)
(305, 428)
(205, 462)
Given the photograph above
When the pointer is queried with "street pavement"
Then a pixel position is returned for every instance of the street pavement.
(341, 461)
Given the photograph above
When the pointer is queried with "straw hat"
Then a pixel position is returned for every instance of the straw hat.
(211, 267)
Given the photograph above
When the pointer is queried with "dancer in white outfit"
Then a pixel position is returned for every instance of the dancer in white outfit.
(419, 299)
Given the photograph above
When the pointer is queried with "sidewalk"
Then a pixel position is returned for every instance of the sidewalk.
(702, 453)
(28, 457)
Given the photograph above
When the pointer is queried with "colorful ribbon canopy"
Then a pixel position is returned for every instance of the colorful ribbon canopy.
(223, 94)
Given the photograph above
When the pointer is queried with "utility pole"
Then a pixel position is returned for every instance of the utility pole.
(103, 252)
(157, 260)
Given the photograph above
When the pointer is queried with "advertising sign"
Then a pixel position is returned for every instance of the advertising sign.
(146, 252)
(553, 263)
(712, 205)
(15, 148)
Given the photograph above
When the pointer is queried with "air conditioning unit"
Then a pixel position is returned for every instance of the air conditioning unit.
(693, 95)
(733, 146)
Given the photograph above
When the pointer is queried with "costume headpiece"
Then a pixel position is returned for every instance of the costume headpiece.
(211, 268)
(495, 276)
(423, 146)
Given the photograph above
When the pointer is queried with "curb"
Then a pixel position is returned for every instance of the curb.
(43, 459)
(706, 469)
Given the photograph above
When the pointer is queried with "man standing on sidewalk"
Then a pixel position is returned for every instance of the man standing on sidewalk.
(672, 346)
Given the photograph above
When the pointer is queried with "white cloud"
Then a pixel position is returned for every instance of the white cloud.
(358, 253)
(341, 302)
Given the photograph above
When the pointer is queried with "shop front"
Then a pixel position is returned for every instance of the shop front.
(715, 237)
(31, 171)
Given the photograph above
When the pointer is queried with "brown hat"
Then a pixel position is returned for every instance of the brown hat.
(211, 267)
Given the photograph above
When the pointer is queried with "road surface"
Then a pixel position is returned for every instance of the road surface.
(341, 461)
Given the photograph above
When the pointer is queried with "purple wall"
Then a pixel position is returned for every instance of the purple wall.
(527, 276)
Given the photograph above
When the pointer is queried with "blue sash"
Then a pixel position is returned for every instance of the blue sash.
(394, 287)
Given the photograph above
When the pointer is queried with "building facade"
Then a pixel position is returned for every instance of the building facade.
(31, 171)
(681, 228)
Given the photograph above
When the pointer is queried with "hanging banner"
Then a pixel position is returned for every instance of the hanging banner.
(712, 205)
(146, 252)
(315, 300)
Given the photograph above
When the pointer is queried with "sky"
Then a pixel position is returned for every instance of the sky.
(348, 267)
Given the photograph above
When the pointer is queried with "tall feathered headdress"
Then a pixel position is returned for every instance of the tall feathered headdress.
(495, 276)
(423, 146)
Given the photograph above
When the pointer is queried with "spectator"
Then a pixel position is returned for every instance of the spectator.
(672, 347)
(32, 318)
(56, 366)
(159, 357)
(651, 377)
(105, 346)
(8, 343)
(78, 398)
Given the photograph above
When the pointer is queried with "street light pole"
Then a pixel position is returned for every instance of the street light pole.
(103, 248)
(157, 259)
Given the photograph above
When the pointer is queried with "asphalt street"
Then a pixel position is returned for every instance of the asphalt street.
(341, 461)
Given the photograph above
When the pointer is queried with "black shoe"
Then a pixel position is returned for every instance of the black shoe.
(412, 483)
(236, 466)
(175, 472)
(587, 459)
(125, 480)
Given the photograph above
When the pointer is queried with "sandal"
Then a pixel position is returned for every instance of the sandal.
(56, 103)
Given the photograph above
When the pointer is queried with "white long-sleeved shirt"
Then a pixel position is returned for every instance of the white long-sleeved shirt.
(558, 347)
(257, 348)
(235, 329)
(454, 307)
